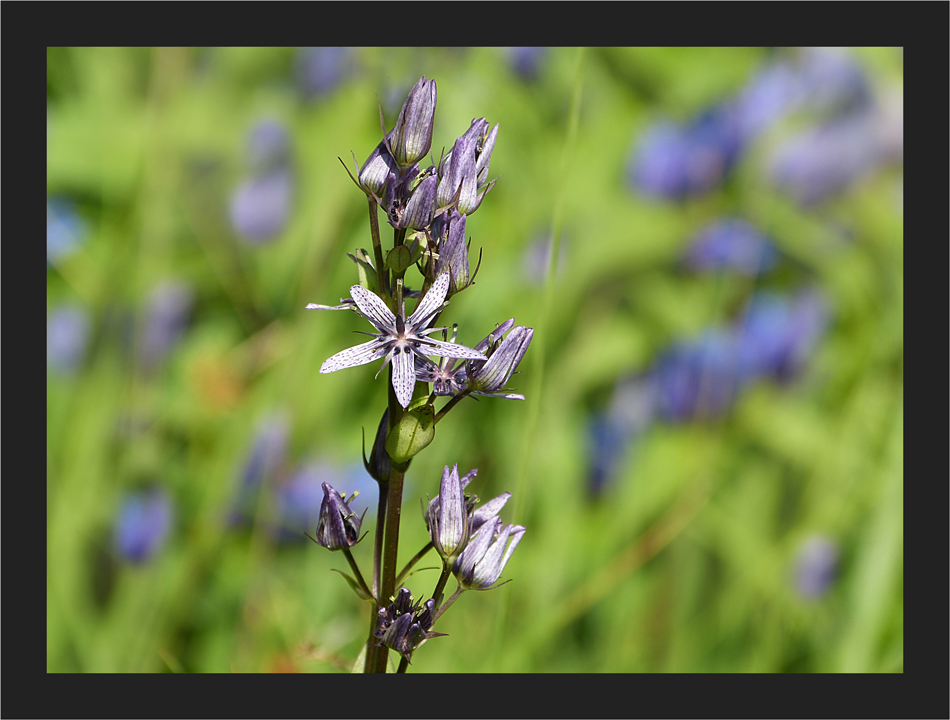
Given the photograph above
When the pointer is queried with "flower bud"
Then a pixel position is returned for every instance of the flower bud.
(483, 561)
(379, 462)
(464, 171)
(489, 378)
(412, 136)
(448, 521)
(403, 626)
(339, 527)
(457, 173)
(376, 170)
(453, 251)
(421, 206)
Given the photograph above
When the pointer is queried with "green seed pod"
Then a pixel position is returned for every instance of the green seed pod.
(412, 434)
(399, 259)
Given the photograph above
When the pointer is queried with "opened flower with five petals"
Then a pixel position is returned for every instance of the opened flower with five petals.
(399, 339)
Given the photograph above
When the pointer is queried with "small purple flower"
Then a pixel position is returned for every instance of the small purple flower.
(453, 486)
(67, 336)
(816, 566)
(142, 524)
(300, 497)
(484, 560)
(399, 339)
(403, 626)
(490, 377)
(773, 92)
(823, 161)
(463, 172)
(832, 81)
(778, 334)
(166, 318)
(268, 146)
(731, 244)
(339, 526)
(697, 378)
(412, 135)
(268, 450)
(631, 410)
(448, 518)
(453, 250)
(526, 62)
(668, 163)
(267, 456)
(320, 69)
(260, 207)
(65, 229)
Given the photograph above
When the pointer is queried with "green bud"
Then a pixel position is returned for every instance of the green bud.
(399, 259)
(413, 433)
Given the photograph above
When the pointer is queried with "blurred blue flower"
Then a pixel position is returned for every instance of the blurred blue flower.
(610, 433)
(267, 456)
(774, 91)
(268, 146)
(320, 69)
(816, 566)
(697, 378)
(526, 61)
(299, 498)
(778, 334)
(166, 317)
(65, 229)
(822, 161)
(731, 244)
(260, 207)
(607, 444)
(675, 161)
(142, 524)
(67, 336)
(832, 81)
(268, 451)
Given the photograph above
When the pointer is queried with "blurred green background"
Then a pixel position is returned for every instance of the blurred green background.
(684, 514)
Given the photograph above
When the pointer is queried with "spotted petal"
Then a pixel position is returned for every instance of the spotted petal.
(404, 376)
(428, 306)
(356, 355)
(314, 306)
(447, 349)
(373, 308)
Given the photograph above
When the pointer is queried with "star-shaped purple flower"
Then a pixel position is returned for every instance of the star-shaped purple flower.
(398, 339)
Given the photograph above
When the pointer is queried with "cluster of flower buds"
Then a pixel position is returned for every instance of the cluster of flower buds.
(403, 626)
(339, 527)
(414, 198)
(486, 377)
(471, 542)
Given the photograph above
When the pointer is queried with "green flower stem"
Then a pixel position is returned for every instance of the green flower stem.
(378, 540)
(440, 586)
(448, 603)
(403, 664)
(377, 571)
(409, 565)
(377, 249)
(356, 571)
(370, 664)
(390, 543)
